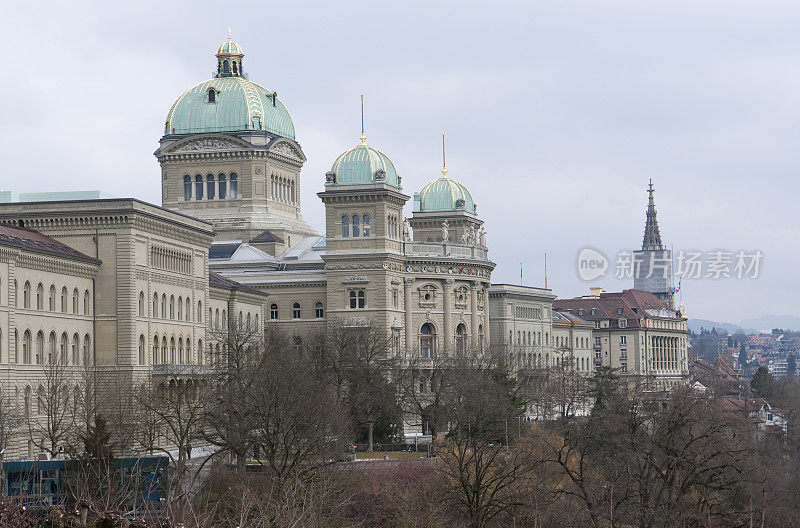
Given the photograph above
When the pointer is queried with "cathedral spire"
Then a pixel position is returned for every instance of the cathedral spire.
(652, 237)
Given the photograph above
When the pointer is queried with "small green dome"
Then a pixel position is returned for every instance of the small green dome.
(363, 164)
(236, 104)
(444, 194)
(229, 47)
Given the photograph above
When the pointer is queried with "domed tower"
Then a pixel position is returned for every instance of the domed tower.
(446, 201)
(364, 243)
(229, 156)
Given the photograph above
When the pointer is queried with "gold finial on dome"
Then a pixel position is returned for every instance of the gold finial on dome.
(229, 33)
(444, 159)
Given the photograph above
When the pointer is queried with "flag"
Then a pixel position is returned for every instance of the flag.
(679, 286)
(520, 272)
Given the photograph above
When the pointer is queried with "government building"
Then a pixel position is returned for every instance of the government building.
(139, 289)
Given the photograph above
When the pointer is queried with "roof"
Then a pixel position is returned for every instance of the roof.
(215, 280)
(30, 240)
(566, 317)
(364, 164)
(13, 197)
(230, 47)
(239, 105)
(628, 304)
(266, 237)
(444, 194)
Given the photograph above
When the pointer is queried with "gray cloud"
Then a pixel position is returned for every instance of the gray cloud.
(557, 114)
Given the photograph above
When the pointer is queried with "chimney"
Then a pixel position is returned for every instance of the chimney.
(595, 291)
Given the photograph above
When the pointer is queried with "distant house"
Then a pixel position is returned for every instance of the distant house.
(758, 412)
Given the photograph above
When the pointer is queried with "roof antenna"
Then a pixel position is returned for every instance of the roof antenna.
(363, 137)
(545, 270)
(444, 159)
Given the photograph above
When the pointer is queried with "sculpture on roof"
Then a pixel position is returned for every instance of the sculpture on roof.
(406, 230)
(482, 235)
(445, 233)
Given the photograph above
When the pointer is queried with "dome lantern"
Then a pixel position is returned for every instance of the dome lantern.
(230, 59)
(362, 164)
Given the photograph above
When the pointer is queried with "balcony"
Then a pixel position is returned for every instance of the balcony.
(436, 249)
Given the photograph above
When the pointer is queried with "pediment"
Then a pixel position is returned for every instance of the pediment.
(285, 148)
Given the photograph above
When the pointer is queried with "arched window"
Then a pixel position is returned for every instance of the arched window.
(51, 300)
(155, 305)
(172, 307)
(155, 349)
(172, 350)
(353, 302)
(199, 311)
(51, 348)
(319, 311)
(86, 303)
(26, 295)
(164, 350)
(188, 310)
(234, 187)
(296, 311)
(180, 351)
(216, 319)
(426, 338)
(75, 358)
(40, 296)
(210, 187)
(141, 304)
(366, 225)
(223, 187)
(63, 348)
(355, 225)
(141, 350)
(235, 68)
(273, 311)
(198, 187)
(189, 351)
(226, 66)
(26, 347)
(421, 384)
(345, 227)
(240, 321)
(64, 299)
(164, 306)
(39, 347)
(87, 342)
(180, 308)
(187, 188)
(212, 95)
(75, 296)
(461, 337)
(361, 299)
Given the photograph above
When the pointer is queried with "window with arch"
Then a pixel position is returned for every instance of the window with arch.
(234, 185)
(172, 350)
(155, 305)
(319, 311)
(155, 348)
(212, 95)
(345, 227)
(189, 351)
(87, 349)
(198, 187)
(51, 348)
(180, 351)
(199, 311)
(211, 186)
(356, 223)
(296, 311)
(62, 352)
(64, 295)
(164, 350)
(188, 309)
(141, 304)
(223, 186)
(164, 306)
(26, 347)
(26, 295)
(75, 359)
(366, 225)
(51, 299)
(273, 311)
(357, 299)
(39, 347)
(461, 339)
(426, 340)
(187, 188)
(141, 349)
(40, 296)
(180, 308)
(87, 303)
(172, 307)
(240, 321)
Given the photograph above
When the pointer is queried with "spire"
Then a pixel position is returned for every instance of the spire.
(444, 159)
(652, 237)
(363, 137)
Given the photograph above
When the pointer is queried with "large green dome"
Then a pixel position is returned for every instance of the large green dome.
(363, 164)
(229, 102)
(444, 194)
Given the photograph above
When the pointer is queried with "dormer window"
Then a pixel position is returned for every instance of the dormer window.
(212, 95)
(619, 311)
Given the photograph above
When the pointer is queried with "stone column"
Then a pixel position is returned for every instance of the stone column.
(486, 314)
(447, 340)
(473, 323)
(409, 325)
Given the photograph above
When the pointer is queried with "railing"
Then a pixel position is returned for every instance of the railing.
(176, 370)
(445, 250)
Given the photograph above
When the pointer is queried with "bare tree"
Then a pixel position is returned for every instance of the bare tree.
(52, 428)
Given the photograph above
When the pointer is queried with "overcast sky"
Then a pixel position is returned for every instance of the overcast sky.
(557, 113)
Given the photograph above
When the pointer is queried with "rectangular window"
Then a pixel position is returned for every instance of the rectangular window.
(623, 367)
(623, 323)
(623, 354)
(394, 298)
(623, 340)
(597, 341)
